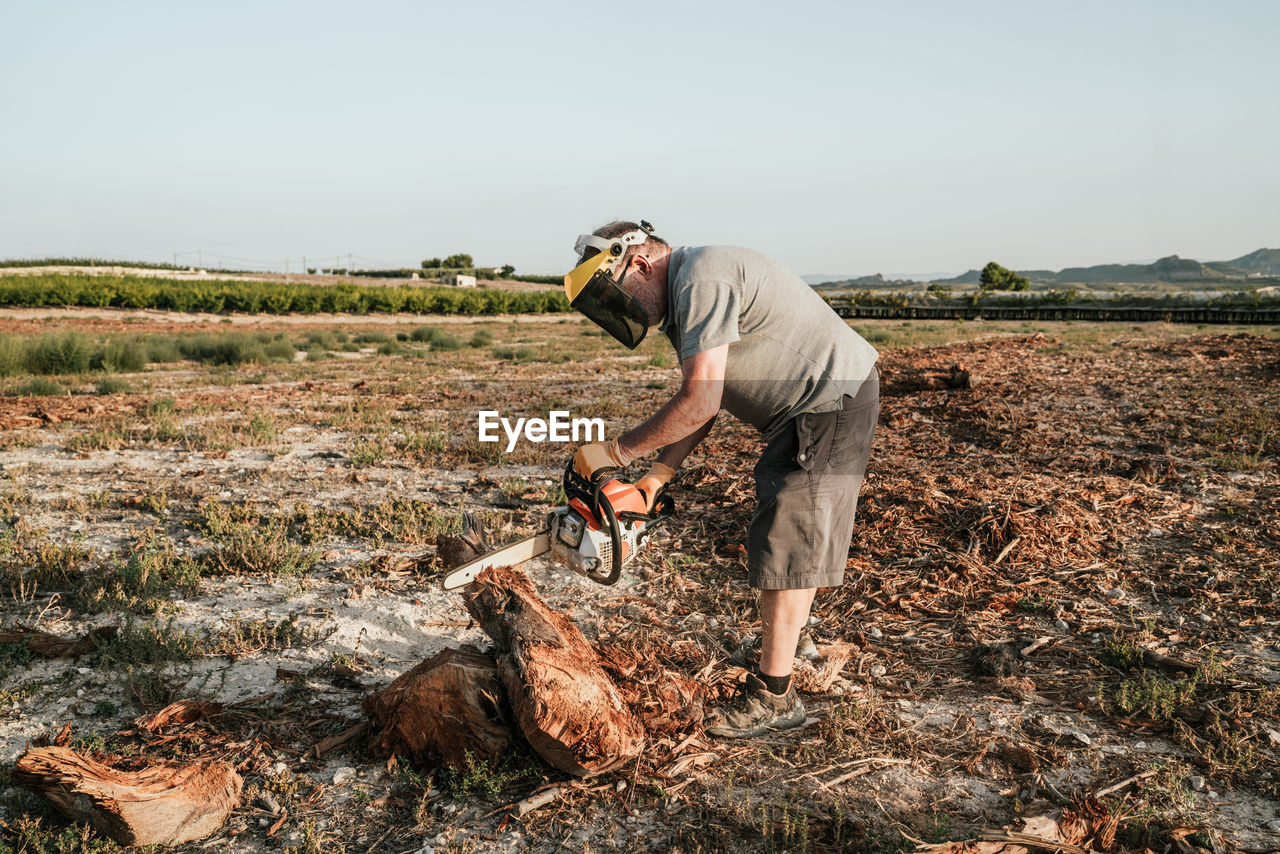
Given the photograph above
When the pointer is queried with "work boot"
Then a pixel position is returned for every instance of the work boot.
(754, 711)
(748, 653)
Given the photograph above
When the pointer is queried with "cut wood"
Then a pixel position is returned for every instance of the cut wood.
(566, 705)
(179, 713)
(164, 804)
(51, 646)
(441, 710)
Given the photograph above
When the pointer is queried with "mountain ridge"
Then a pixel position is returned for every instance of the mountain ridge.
(1171, 268)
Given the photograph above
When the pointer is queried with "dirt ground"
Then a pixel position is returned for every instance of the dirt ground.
(1062, 592)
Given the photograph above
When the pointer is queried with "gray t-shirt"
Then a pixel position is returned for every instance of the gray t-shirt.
(789, 353)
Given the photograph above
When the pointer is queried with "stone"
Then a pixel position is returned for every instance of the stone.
(1061, 625)
(1196, 783)
(1115, 593)
(875, 633)
(879, 670)
(343, 776)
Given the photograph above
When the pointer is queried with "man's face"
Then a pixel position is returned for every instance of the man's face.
(646, 281)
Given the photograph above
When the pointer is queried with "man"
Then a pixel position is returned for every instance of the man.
(752, 338)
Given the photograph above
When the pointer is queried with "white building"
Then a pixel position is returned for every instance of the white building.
(459, 281)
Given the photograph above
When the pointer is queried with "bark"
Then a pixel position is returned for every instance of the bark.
(567, 707)
(164, 804)
(52, 646)
(441, 710)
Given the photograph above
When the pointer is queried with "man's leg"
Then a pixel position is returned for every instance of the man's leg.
(783, 614)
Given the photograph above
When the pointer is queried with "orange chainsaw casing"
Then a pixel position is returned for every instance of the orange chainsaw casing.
(623, 497)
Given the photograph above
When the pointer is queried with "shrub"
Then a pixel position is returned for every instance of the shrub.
(280, 350)
(514, 354)
(13, 356)
(111, 385)
(123, 356)
(446, 342)
(39, 387)
(237, 349)
(424, 334)
(216, 296)
(160, 349)
(65, 353)
(482, 338)
(372, 337)
(322, 339)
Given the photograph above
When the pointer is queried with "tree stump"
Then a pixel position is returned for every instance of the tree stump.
(165, 804)
(442, 709)
(566, 705)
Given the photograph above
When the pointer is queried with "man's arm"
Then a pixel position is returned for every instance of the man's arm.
(673, 455)
(686, 418)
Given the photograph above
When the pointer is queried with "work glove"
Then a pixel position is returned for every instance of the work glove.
(598, 457)
(651, 484)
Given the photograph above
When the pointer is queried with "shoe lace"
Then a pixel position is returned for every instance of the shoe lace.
(741, 698)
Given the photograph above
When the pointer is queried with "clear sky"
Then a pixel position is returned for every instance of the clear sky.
(840, 137)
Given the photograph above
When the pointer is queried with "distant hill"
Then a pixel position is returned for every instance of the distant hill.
(832, 278)
(1265, 262)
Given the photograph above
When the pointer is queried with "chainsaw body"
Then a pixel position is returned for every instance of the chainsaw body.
(601, 529)
(585, 541)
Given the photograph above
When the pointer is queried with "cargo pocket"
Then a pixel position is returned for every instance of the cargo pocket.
(814, 432)
(854, 434)
(851, 428)
(803, 429)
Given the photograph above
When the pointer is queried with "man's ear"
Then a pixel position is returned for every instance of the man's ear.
(643, 265)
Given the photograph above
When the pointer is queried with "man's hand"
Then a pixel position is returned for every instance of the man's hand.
(598, 457)
(651, 484)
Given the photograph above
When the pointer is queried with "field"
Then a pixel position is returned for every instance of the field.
(253, 503)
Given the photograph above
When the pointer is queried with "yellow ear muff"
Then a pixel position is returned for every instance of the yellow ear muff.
(576, 280)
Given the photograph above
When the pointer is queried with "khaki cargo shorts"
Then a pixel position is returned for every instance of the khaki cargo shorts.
(807, 484)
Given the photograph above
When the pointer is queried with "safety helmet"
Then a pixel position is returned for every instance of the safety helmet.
(593, 286)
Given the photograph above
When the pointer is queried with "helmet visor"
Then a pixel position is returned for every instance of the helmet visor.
(608, 306)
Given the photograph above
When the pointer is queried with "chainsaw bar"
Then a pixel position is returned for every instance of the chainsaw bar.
(509, 555)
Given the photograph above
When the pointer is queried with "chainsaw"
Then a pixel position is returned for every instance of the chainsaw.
(601, 529)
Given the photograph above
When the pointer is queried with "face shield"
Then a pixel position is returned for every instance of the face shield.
(593, 287)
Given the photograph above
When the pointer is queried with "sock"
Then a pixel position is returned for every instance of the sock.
(775, 684)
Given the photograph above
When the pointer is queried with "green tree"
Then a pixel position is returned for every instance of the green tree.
(460, 260)
(432, 264)
(507, 271)
(997, 278)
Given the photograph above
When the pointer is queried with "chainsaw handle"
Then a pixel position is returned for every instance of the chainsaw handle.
(663, 508)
